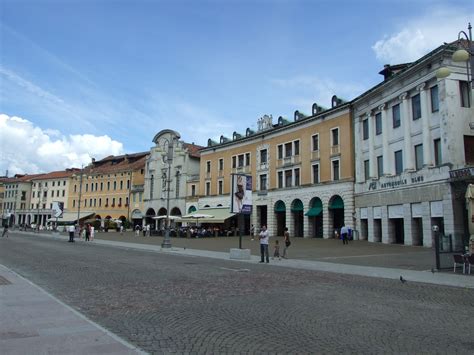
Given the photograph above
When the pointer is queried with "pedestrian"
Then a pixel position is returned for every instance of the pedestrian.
(92, 229)
(121, 229)
(137, 230)
(287, 243)
(87, 232)
(252, 231)
(276, 250)
(147, 230)
(71, 231)
(344, 235)
(5, 230)
(263, 236)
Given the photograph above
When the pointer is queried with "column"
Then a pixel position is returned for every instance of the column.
(387, 161)
(327, 230)
(425, 122)
(370, 224)
(408, 162)
(306, 229)
(427, 233)
(387, 234)
(407, 225)
(359, 167)
(289, 223)
(372, 168)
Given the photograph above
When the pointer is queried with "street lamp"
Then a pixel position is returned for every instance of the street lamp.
(168, 158)
(464, 53)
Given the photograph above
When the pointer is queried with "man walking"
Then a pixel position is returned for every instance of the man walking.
(344, 231)
(263, 236)
(5, 230)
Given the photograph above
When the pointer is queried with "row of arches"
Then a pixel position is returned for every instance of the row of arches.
(314, 212)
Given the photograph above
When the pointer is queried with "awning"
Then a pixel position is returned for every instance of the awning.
(314, 211)
(137, 214)
(280, 206)
(297, 206)
(71, 217)
(336, 203)
(219, 215)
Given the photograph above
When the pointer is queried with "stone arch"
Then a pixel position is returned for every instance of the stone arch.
(192, 209)
(315, 217)
(335, 213)
(280, 217)
(297, 210)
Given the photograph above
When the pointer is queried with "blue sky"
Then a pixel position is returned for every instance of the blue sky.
(89, 78)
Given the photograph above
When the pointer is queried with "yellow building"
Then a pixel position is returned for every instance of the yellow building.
(302, 171)
(106, 187)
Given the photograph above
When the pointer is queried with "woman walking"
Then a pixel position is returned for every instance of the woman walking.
(287, 243)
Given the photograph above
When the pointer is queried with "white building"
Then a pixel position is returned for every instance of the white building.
(412, 136)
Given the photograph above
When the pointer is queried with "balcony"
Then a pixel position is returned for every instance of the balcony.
(208, 175)
(220, 173)
(287, 161)
(335, 150)
(315, 155)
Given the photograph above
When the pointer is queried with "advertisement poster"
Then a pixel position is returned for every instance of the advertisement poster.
(241, 195)
(58, 208)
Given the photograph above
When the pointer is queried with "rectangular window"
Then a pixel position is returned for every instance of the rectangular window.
(316, 174)
(434, 98)
(465, 94)
(263, 182)
(241, 160)
(220, 187)
(280, 151)
(297, 147)
(263, 156)
(398, 162)
(64, 193)
(416, 107)
(280, 179)
(208, 166)
(315, 141)
(396, 115)
(247, 159)
(335, 170)
(297, 177)
(380, 166)
(221, 164)
(366, 169)
(208, 188)
(335, 136)
(365, 129)
(378, 123)
(437, 152)
(234, 162)
(193, 190)
(288, 150)
(419, 156)
(288, 178)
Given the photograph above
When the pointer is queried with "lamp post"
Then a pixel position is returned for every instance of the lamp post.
(168, 158)
(80, 193)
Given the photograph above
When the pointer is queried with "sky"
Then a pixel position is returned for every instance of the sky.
(83, 79)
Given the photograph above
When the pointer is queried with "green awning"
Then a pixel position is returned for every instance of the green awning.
(280, 206)
(314, 211)
(297, 206)
(192, 209)
(336, 203)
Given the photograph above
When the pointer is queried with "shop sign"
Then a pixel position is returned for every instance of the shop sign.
(374, 185)
(461, 173)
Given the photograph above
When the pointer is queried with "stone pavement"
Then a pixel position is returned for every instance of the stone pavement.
(37, 320)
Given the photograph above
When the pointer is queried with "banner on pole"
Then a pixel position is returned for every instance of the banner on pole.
(241, 194)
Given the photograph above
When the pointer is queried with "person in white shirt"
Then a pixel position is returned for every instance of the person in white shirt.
(263, 236)
(71, 230)
(344, 232)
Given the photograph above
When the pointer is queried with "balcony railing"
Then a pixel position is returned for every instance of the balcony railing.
(291, 160)
(315, 155)
(335, 149)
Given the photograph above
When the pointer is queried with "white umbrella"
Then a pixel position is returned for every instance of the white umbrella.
(198, 215)
(171, 218)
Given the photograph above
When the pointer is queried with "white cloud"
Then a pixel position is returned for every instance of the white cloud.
(416, 37)
(29, 149)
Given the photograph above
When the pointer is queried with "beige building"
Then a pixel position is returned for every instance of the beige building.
(302, 171)
(105, 187)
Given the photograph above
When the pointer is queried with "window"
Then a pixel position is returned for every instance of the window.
(121, 185)
(128, 185)
(92, 187)
(241, 160)
(208, 166)
(419, 156)
(297, 147)
(193, 190)
(280, 179)
(57, 193)
(115, 185)
(85, 202)
(437, 152)
(280, 151)
(208, 188)
(465, 96)
(335, 170)
(152, 187)
(263, 156)
(366, 169)
(398, 162)
(316, 174)
(288, 150)
(73, 203)
(90, 202)
(101, 186)
(315, 142)
(297, 177)
(365, 129)
(380, 166)
(120, 201)
(378, 123)
(34, 194)
(263, 182)
(87, 187)
(113, 202)
(100, 202)
(434, 98)
(234, 162)
(396, 115)
(416, 107)
(247, 159)
(221, 164)
(108, 185)
(220, 187)
(335, 136)
(288, 178)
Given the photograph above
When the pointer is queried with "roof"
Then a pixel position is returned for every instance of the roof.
(193, 149)
(57, 174)
(115, 164)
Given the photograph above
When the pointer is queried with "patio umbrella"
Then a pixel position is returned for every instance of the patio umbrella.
(171, 218)
(197, 216)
